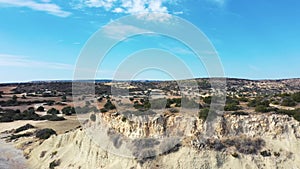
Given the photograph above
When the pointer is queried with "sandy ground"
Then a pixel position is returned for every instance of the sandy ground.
(7, 89)
(282, 107)
(16, 124)
(59, 126)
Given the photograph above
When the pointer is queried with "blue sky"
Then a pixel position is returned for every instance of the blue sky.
(41, 39)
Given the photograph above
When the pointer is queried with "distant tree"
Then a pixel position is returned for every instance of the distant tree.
(45, 133)
(296, 97)
(257, 102)
(232, 107)
(30, 108)
(244, 99)
(23, 96)
(203, 114)
(14, 98)
(230, 100)
(109, 105)
(52, 118)
(50, 102)
(64, 98)
(23, 128)
(54, 164)
(264, 109)
(103, 110)
(131, 98)
(100, 99)
(53, 111)
(40, 109)
(207, 100)
(68, 110)
(87, 103)
(28, 114)
(93, 117)
(288, 102)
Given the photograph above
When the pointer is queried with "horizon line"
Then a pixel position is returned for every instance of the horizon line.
(153, 80)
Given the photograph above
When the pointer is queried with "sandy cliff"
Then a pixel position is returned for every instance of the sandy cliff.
(249, 141)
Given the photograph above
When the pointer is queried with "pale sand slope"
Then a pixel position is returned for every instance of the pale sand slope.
(60, 127)
(76, 150)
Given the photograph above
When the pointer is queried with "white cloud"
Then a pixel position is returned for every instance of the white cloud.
(131, 7)
(107, 4)
(118, 10)
(48, 7)
(23, 61)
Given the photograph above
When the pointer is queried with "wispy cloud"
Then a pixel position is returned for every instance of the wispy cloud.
(44, 6)
(7, 60)
(118, 31)
(218, 2)
(76, 43)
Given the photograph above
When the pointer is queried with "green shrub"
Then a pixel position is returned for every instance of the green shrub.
(43, 153)
(265, 153)
(244, 99)
(23, 128)
(40, 109)
(4, 119)
(12, 137)
(52, 118)
(53, 111)
(235, 155)
(93, 117)
(45, 133)
(207, 100)
(296, 97)
(50, 103)
(240, 113)
(264, 109)
(27, 115)
(245, 145)
(288, 102)
(54, 164)
(124, 119)
(103, 110)
(233, 101)
(9, 115)
(258, 102)
(203, 114)
(68, 110)
(232, 107)
(109, 105)
(64, 98)
(292, 113)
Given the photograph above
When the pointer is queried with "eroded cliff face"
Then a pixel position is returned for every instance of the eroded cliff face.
(250, 141)
(266, 125)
